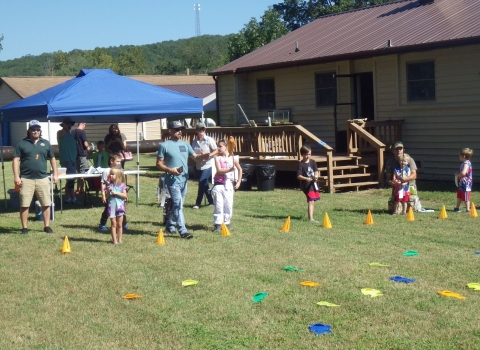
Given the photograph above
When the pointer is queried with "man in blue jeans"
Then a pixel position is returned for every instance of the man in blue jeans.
(172, 158)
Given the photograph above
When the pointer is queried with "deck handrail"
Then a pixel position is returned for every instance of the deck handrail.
(355, 133)
(277, 141)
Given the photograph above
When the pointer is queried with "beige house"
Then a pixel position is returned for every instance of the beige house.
(15, 88)
(417, 61)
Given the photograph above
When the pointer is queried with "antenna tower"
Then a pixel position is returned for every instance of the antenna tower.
(196, 8)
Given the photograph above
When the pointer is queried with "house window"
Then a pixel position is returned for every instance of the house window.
(266, 93)
(324, 89)
(421, 81)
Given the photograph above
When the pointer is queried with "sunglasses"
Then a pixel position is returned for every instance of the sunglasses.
(35, 130)
(177, 129)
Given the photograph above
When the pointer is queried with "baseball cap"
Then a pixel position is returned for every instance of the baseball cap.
(175, 125)
(34, 123)
(397, 144)
(200, 126)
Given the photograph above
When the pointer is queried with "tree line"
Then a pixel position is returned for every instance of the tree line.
(198, 54)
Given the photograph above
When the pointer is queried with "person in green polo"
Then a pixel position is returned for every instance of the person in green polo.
(30, 155)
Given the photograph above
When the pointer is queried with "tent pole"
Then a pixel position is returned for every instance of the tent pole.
(138, 164)
(3, 173)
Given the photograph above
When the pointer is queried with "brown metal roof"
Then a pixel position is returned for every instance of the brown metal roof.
(365, 33)
(27, 86)
(196, 90)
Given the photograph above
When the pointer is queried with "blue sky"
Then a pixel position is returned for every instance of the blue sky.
(32, 27)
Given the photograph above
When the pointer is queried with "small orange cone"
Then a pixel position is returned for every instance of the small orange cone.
(160, 238)
(286, 225)
(473, 210)
(225, 231)
(66, 246)
(410, 216)
(369, 218)
(443, 213)
(326, 221)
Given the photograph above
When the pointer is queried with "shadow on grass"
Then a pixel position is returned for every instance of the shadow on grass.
(280, 217)
(363, 211)
(91, 240)
(9, 231)
(129, 232)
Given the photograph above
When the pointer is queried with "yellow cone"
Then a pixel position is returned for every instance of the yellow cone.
(369, 218)
(326, 221)
(160, 238)
(225, 231)
(410, 216)
(286, 225)
(66, 246)
(443, 213)
(473, 210)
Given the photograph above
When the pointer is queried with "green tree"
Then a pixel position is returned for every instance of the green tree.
(100, 58)
(296, 13)
(132, 61)
(256, 34)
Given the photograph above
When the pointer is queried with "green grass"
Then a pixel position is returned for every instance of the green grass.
(74, 301)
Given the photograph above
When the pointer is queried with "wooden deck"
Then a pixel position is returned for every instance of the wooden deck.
(280, 146)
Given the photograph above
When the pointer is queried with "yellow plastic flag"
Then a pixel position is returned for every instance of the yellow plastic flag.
(326, 303)
(132, 296)
(474, 286)
(309, 284)
(378, 264)
(187, 283)
(372, 292)
(447, 293)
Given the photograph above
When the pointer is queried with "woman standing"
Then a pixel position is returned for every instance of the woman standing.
(115, 141)
(205, 145)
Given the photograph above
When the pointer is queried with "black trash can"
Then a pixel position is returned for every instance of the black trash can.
(247, 177)
(266, 176)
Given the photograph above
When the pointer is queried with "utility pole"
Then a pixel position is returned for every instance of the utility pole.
(196, 8)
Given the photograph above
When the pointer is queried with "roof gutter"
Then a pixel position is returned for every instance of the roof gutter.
(354, 55)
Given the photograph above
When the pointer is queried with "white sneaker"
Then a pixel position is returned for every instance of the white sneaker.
(195, 207)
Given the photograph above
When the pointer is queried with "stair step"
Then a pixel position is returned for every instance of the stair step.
(346, 176)
(345, 167)
(356, 184)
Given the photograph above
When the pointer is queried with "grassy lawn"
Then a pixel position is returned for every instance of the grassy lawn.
(74, 301)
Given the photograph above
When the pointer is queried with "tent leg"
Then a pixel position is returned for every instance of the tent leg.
(3, 173)
(138, 165)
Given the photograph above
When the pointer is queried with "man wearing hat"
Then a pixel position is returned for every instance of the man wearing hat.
(398, 151)
(204, 144)
(67, 149)
(172, 158)
(31, 154)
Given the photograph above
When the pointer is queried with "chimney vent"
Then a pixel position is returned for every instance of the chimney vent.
(296, 46)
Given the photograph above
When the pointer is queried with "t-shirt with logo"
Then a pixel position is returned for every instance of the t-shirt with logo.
(33, 158)
(175, 155)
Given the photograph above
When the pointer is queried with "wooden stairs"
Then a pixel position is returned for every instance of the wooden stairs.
(349, 173)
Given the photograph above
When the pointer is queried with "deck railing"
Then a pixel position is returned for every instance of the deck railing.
(387, 131)
(283, 141)
(358, 139)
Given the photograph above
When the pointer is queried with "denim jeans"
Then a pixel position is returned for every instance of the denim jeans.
(204, 178)
(176, 219)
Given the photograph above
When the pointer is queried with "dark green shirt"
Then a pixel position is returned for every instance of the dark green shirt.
(33, 158)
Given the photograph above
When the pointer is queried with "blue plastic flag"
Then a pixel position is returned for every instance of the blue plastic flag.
(319, 328)
(402, 279)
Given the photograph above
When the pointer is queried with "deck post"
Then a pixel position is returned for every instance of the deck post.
(330, 186)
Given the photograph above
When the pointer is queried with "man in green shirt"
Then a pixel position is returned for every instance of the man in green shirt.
(67, 152)
(31, 154)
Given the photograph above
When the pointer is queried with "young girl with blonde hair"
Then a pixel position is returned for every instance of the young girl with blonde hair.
(117, 195)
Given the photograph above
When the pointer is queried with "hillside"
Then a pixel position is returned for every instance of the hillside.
(198, 54)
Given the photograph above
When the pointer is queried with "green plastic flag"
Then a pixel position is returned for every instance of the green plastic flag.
(291, 268)
(259, 297)
(410, 253)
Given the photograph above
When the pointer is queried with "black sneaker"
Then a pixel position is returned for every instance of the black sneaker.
(186, 235)
(47, 229)
(217, 228)
(24, 231)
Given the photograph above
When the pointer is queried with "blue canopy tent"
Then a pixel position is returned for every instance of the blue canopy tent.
(100, 95)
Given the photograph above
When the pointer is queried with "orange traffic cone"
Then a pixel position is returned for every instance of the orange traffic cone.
(410, 216)
(160, 238)
(443, 213)
(225, 231)
(286, 225)
(326, 221)
(369, 218)
(66, 246)
(473, 210)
